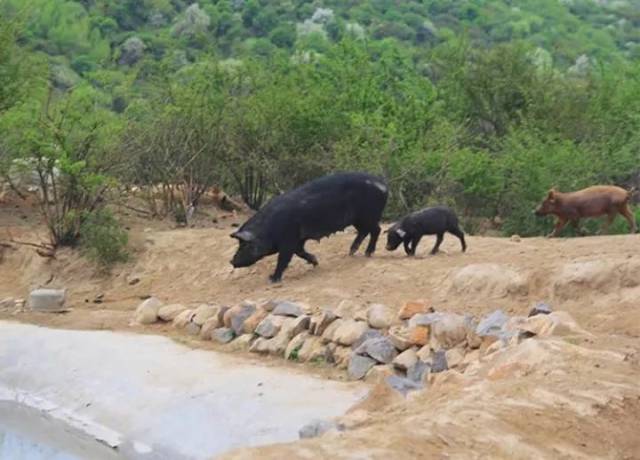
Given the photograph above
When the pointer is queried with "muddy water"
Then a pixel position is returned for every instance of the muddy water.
(148, 397)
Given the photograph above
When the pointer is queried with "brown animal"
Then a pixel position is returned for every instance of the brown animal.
(599, 200)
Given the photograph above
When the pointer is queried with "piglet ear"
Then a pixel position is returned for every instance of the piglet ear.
(243, 235)
(401, 233)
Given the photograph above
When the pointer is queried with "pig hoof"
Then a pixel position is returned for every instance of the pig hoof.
(274, 279)
(313, 261)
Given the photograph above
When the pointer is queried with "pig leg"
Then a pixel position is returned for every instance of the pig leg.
(607, 223)
(626, 212)
(373, 240)
(357, 242)
(414, 244)
(439, 239)
(407, 246)
(303, 254)
(284, 257)
(457, 232)
(575, 223)
(562, 221)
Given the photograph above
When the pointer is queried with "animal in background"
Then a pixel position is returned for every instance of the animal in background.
(430, 221)
(599, 200)
(310, 212)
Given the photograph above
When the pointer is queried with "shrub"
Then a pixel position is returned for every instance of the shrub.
(103, 239)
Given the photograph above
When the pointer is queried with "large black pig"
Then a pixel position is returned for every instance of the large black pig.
(315, 210)
(429, 221)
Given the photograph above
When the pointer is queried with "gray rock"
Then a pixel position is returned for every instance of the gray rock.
(320, 322)
(402, 385)
(366, 335)
(294, 326)
(439, 361)
(317, 428)
(238, 319)
(270, 326)
(288, 309)
(419, 372)
(541, 308)
(223, 335)
(381, 349)
(492, 324)
(50, 300)
(359, 366)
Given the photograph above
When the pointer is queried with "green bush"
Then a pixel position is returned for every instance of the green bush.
(103, 239)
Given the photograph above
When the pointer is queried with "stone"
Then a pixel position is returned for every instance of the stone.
(515, 238)
(419, 335)
(454, 357)
(286, 308)
(449, 331)
(170, 312)
(147, 311)
(424, 354)
(183, 319)
(426, 319)
(492, 324)
(419, 372)
(350, 331)
(204, 312)
(221, 314)
(312, 349)
(381, 349)
(329, 333)
(241, 343)
(380, 316)
(274, 346)
(368, 334)
(339, 355)
(379, 372)
(439, 361)
(270, 326)
(52, 300)
(414, 307)
(240, 316)
(208, 327)
(557, 323)
(251, 323)
(405, 360)
(133, 279)
(540, 309)
(317, 428)
(294, 326)
(359, 366)
(223, 335)
(294, 346)
(399, 336)
(403, 385)
(192, 329)
(269, 306)
(321, 321)
(347, 309)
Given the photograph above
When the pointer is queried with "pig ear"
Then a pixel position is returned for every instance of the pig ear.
(401, 233)
(552, 194)
(243, 235)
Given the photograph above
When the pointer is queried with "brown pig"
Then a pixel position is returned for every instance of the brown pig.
(599, 200)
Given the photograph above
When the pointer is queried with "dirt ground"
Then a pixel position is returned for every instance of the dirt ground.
(581, 401)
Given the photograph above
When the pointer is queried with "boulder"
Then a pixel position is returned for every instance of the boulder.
(405, 360)
(251, 323)
(380, 316)
(321, 321)
(295, 326)
(329, 333)
(183, 319)
(286, 308)
(349, 331)
(414, 307)
(170, 312)
(146, 313)
(381, 349)
(312, 349)
(274, 346)
(238, 317)
(52, 300)
(359, 366)
(208, 327)
(270, 326)
(223, 335)
(204, 312)
(399, 336)
(292, 351)
(368, 334)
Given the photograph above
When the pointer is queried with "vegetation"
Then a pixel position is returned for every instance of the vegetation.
(478, 104)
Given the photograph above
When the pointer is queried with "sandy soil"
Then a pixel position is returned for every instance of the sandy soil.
(581, 400)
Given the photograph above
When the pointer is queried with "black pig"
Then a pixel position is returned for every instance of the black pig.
(315, 210)
(429, 221)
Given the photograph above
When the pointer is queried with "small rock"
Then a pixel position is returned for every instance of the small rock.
(241, 343)
(251, 323)
(147, 311)
(170, 312)
(294, 326)
(419, 372)
(293, 348)
(492, 324)
(320, 322)
(204, 312)
(379, 316)
(288, 309)
(270, 326)
(403, 385)
(240, 316)
(359, 366)
(183, 319)
(133, 279)
(424, 354)
(399, 336)
(350, 331)
(419, 335)
(329, 333)
(405, 360)
(454, 357)
(439, 361)
(412, 308)
(515, 238)
(449, 331)
(540, 309)
(312, 349)
(192, 329)
(52, 300)
(208, 327)
(381, 349)
(223, 335)
(368, 334)
(379, 372)
(318, 428)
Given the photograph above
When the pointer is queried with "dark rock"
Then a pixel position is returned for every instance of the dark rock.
(381, 349)
(288, 309)
(359, 366)
(237, 320)
(439, 361)
(419, 372)
(367, 335)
